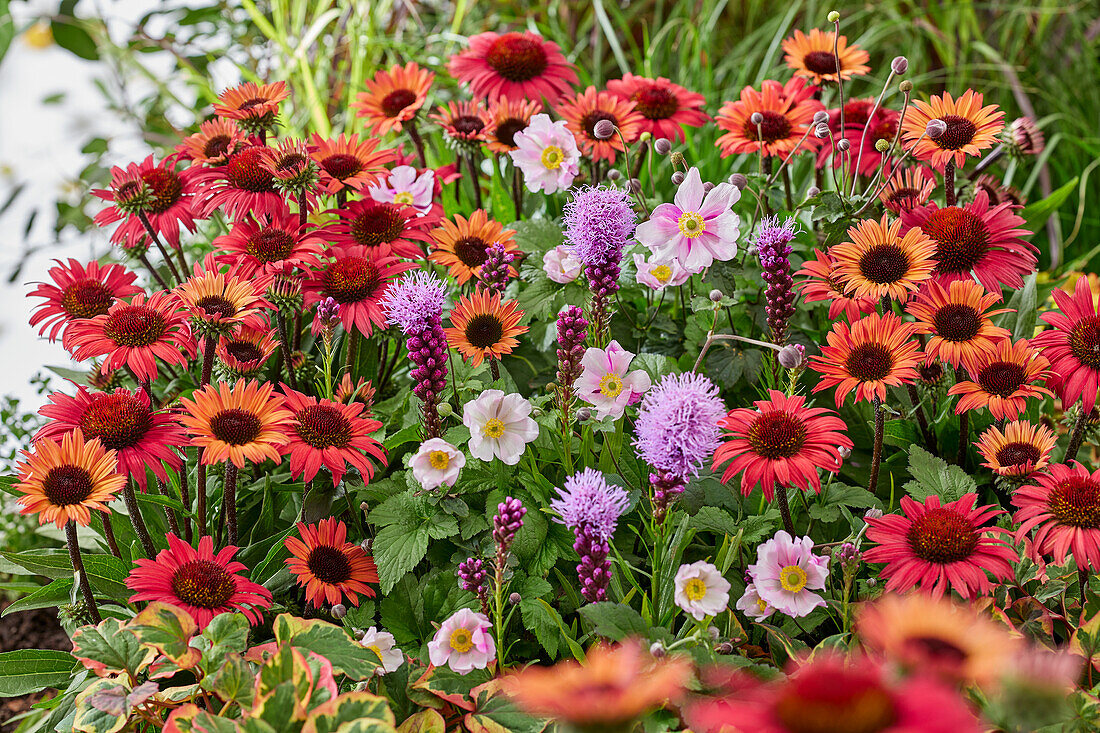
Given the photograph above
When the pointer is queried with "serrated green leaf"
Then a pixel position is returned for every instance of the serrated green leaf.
(934, 477)
(346, 655)
(27, 671)
(397, 550)
(615, 621)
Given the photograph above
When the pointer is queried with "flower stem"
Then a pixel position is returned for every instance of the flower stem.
(1083, 581)
(517, 191)
(922, 420)
(160, 246)
(876, 455)
(471, 165)
(784, 508)
(949, 182)
(494, 369)
(418, 142)
(964, 436)
(207, 361)
(137, 520)
(229, 502)
(78, 568)
(200, 491)
(1076, 438)
(284, 337)
(173, 520)
(109, 533)
(153, 271)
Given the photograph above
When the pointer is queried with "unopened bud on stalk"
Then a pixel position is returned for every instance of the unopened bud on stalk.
(445, 409)
(843, 145)
(714, 632)
(677, 178)
(724, 648)
(882, 145)
(739, 180)
(614, 174)
(899, 65)
(872, 513)
(821, 117)
(657, 649)
(707, 186)
(536, 412)
(339, 610)
(662, 146)
(636, 185)
(756, 118)
(844, 452)
(365, 544)
(603, 130)
(792, 356)
(905, 87)
(872, 582)
(645, 136)
(935, 128)
(821, 132)
(584, 414)
(813, 191)
(834, 16)
(364, 507)
(715, 295)
(677, 159)
(514, 598)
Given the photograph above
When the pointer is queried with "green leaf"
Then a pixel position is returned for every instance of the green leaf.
(713, 519)
(1026, 310)
(232, 680)
(346, 708)
(615, 621)
(842, 496)
(934, 477)
(543, 621)
(101, 707)
(7, 28)
(536, 236)
(902, 433)
(226, 634)
(107, 573)
(1037, 213)
(502, 206)
(397, 550)
(56, 593)
(346, 655)
(169, 630)
(26, 671)
(69, 34)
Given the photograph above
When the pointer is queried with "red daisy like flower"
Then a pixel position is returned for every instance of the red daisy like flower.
(200, 582)
(357, 278)
(582, 111)
(79, 291)
(958, 319)
(465, 123)
(215, 141)
(787, 112)
(1073, 345)
(506, 118)
(242, 186)
(348, 162)
(254, 106)
(1063, 507)
(781, 441)
(872, 354)
(330, 434)
(936, 547)
(135, 335)
(264, 246)
(162, 193)
(244, 354)
(666, 107)
(328, 566)
(1003, 380)
(385, 228)
(822, 283)
(977, 241)
(862, 130)
(124, 422)
(513, 65)
(393, 97)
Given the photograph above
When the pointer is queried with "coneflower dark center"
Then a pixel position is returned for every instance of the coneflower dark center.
(938, 649)
(236, 426)
(468, 125)
(484, 331)
(884, 264)
(818, 705)
(961, 239)
(67, 485)
(506, 130)
(656, 102)
(773, 127)
(1084, 342)
(216, 305)
(118, 420)
(516, 57)
(1002, 378)
(942, 536)
(134, 326)
(166, 188)
(377, 224)
(1076, 502)
(472, 251)
(397, 100)
(957, 322)
(869, 362)
(1016, 454)
(270, 245)
(342, 166)
(960, 132)
(777, 434)
(216, 147)
(323, 426)
(203, 584)
(86, 299)
(820, 62)
(351, 279)
(244, 351)
(328, 564)
(246, 173)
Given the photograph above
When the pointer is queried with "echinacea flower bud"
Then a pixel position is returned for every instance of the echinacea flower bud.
(792, 356)
(677, 178)
(821, 117)
(882, 145)
(339, 610)
(899, 65)
(821, 132)
(756, 118)
(843, 145)
(834, 16)
(677, 159)
(662, 146)
(715, 295)
(905, 87)
(603, 129)
(935, 128)
(739, 180)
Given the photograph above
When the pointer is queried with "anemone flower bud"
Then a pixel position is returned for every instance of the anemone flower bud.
(603, 130)
(756, 118)
(834, 16)
(821, 132)
(905, 87)
(813, 191)
(882, 145)
(339, 610)
(614, 174)
(872, 513)
(445, 409)
(899, 65)
(792, 356)
(843, 145)
(707, 186)
(935, 128)
(662, 146)
(514, 598)
(657, 650)
(645, 136)
(844, 452)
(636, 185)
(677, 159)
(821, 117)
(584, 414)
(715, 295)
(677, 178)
(739, 180)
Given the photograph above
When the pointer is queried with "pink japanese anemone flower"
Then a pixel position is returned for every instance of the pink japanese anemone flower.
(1073, 344)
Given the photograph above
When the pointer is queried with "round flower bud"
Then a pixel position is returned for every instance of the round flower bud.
(834, 16)
(844, 452)
(584, 414)
(899, 65)
(821, 132)
(882, 145)
(935, 128)
(715, 295)
(444, 409)
(905, 87)
(536, 412)
(636, 185)
(603, 130)
(677, 159)
(872, 513)
(677, 178)
(515, 598)
(751, 250)
(843, 145)
(792, 356)
(614, 174)
(365, 544)
(821, 117)
(724, 648)
(714, 632)
(364, 507)
(872, 582)
(813, 191)
(645, 136)
(756, 118)
(657, 649)
(339, 610)
(662, 146)
(739, 180)
(707, 186)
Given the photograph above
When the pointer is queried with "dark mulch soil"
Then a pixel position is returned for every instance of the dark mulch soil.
(36, 629)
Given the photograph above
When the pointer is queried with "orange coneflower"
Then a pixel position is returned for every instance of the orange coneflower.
(1003, 380)
(253, 106)
(787, 113)
(245, 422)
(348, 391)
(348, 162)
(506, 118)
(217, 302)
(907, 188)
(62, 481)
(582, 111)
(215, 141)
(393, 97)
(823, 284)
(1020, 450)
(328, 566)
(461, 245)
(971, 128)
(483, 326)
(880, 262)
(244, 353)
(463, 123)
(812, 56)
(959, 320)
(872, 354)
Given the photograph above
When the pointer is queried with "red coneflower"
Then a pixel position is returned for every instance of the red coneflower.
(971, 128)
(253, 106)
(872, 354)
(242, 186)
(582, 111)
(330, 434)
(293, 170)
(812, 56)
(245, 422)
(1021, 450)
(787, 114)
(881, 262)
(124, 422)
(215, 141)
(243, 354)
(1063, 507)
(907, 188)
(976, 241)
(360, 390)
(203, 584)
(666, 107)
(261, 247)
(160, 192)
(79, 291)
(959, 320)
(218, 302)
(482, 326)
(385, 228)
(357, 278)
(1073, 344)
(822, 284)
(781, 441)
(936, 547)
(135, 334)
(64, 480)
(997, 192)
(1025, 136)
(506, 118)
(461, 245)
(348, 163)
(862, 130)
(513, 65)
(328, 566)
(1002, 380)
(464, 123)
(393, 97)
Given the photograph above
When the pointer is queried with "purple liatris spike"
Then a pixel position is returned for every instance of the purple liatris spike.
(773, 246)
(496, 271)
(572, 327)
(667, 488)
(591, 508)
(506, 522)
(473, 575)
(677, 428)
(415, 304)
(327, 317)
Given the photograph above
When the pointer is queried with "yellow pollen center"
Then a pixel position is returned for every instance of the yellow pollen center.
(374, 648)
(691, 224)
(439, 460)
(552, 157)
(762, 605)
(404, 197)
(494, 428)
(663, 273)
(695, 589)
(461, 640)
(611, 385)
(792, 578)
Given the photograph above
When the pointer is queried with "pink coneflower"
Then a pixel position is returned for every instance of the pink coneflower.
(666, 107)
(936, 547)
(78, 292)
(976, 241)
(1073, 344)
(781, 441)
(329, 434)
(215, 141)
(242, 186)
(1003, 380)
(583, 110)
(262, 247)
(1063, 506)
(357, 278)
(822, 283)
(161, 193)
(135, 335)
(513, 65)
(200, 582)
(907, 188)
(388, 229)
(348, 162)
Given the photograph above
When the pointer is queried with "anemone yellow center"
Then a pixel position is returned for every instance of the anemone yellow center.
(439, 460)
(462, 641)
(404, 197)
(494, 428)
(378, 652)
(792, 578)
(691, 224)
(552, 157)
(762, 605)
(695, 589)
(611, 385)
(662, 273)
